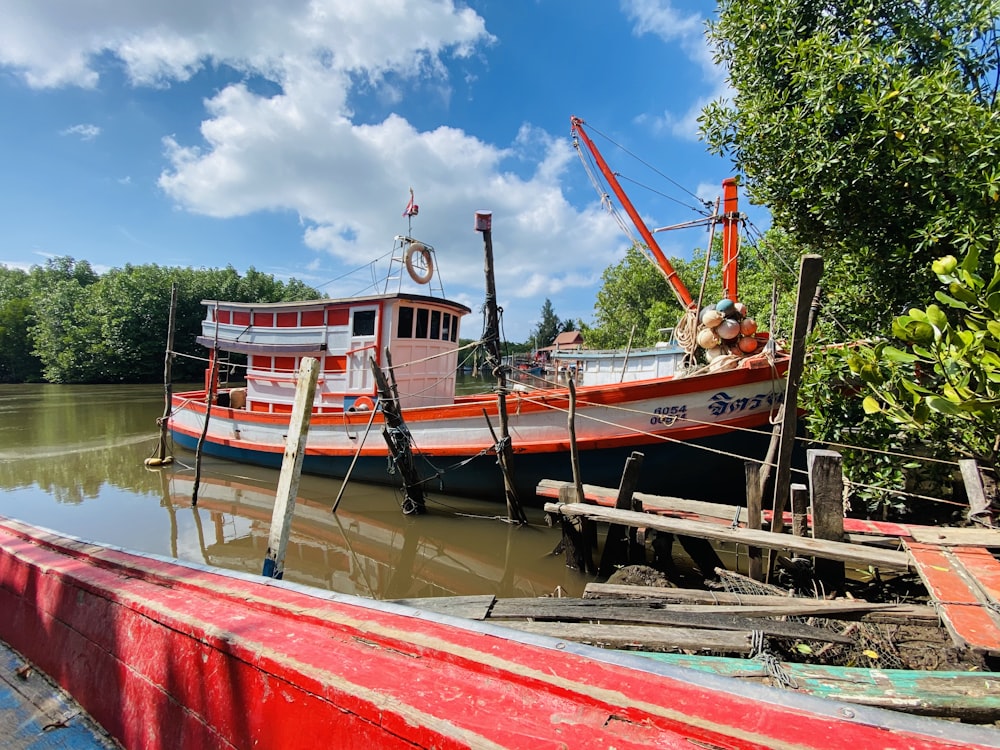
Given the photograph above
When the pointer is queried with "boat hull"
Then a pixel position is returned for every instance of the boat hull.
(169, 655)
(695, 435)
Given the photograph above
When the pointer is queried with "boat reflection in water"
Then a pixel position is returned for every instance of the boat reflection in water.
(454, 550)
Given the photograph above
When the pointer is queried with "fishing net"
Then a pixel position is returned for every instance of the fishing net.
(872, 644)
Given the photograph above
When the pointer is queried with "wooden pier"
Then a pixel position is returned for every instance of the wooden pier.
(961, 574)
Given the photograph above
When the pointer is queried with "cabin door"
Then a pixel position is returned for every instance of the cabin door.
(364, 344)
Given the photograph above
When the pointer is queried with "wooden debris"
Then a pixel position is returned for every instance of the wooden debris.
(865, 556)
(761, 605)
(965, 583)
(624, 611)
(639, 637)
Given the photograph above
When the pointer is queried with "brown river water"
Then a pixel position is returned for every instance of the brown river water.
(72, 460)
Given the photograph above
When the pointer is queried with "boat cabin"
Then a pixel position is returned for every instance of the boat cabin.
(420, 332)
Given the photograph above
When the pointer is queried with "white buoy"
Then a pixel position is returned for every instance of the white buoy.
(711, 317)
(707, 339)
(728, 329)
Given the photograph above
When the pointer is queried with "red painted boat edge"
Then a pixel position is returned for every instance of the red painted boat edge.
(168, 654)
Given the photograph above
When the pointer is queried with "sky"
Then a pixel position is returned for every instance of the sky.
(285, 135)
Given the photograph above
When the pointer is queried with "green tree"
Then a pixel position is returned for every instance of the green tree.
(17, 363)
(869, 130)
(636, 296)
(112, 328)
(549, 326)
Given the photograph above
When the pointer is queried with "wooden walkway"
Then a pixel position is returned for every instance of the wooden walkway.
(957, 566)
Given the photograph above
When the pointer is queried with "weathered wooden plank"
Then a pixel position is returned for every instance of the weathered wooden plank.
(983, 567)
(846, 609)
(979, 503)
(879, 558)
(705, 511)
(826, 496)
(475, 607)
(646, 638)
(968, 696)
(36, 714)
(959, 599)
(576, 610)
(947, 536)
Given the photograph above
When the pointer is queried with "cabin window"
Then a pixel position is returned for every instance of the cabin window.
(435, 324)
(364, 323)
(454, 327)
(312, 317)
(445, 326)
(337, 316)
(404, 327)
(422, 316)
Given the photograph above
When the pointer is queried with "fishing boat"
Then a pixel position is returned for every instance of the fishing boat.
(696, 422)
(164, 654)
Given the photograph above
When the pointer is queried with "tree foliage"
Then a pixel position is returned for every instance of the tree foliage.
(637, 304)
(868, 129)
(950, 367)
(549, 326)
(65, 323)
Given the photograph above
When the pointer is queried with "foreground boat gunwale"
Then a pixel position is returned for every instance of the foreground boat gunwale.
(530, 660)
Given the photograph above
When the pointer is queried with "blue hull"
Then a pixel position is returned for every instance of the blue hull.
(673, 469)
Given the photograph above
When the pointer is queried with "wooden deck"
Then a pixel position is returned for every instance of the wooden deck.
(36, 714)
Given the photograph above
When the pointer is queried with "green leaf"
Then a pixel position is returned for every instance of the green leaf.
(898, 355)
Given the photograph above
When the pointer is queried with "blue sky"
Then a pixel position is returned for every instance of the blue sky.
(286, 134)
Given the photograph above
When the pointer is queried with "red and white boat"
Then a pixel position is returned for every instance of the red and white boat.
(175, 655)
(692, 426)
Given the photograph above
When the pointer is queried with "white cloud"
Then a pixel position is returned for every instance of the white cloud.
(304, 151)
(86, 131)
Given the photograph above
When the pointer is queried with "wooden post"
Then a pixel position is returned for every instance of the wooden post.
(826, 493)
(575, 543)
(291, 468)
(979, 503)
(397, 438)
(800, 510)
(168, 359)
(213, 377)
(491, 342)
(620, 540)
(810, 271)
(755, 561)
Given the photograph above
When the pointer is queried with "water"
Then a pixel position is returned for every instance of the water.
(72, 460)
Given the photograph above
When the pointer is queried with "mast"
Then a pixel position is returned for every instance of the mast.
(683, 295)
(730, 238)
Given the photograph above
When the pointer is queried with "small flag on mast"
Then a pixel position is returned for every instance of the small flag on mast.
(412, 209)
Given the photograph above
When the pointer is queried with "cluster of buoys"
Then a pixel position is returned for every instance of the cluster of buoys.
(725, 328)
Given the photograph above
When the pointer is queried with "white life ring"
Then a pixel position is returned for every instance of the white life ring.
(419, 263)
